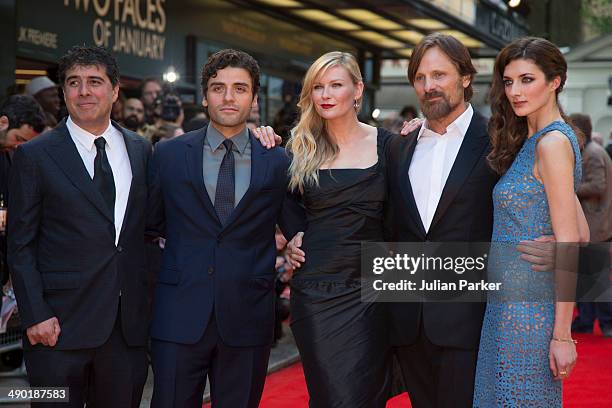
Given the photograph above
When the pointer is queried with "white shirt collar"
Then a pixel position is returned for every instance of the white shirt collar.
(86, 138)
(462, 123)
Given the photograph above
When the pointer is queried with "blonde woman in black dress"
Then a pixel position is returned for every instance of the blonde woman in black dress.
(338, 167)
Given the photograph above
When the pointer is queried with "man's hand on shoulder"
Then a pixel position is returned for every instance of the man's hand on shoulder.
(267, 137)
(46, 332)
(409, 127)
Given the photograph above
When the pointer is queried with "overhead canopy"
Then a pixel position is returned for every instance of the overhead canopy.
(392, 28)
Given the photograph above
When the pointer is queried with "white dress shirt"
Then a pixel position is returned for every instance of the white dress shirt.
(117, 157)
(433, 158)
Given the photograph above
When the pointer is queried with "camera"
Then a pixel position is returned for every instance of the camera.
(171, 106)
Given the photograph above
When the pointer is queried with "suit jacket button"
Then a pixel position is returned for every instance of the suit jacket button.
(119, 248)
(211, 270)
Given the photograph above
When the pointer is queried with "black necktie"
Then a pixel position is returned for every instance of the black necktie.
(103, 174)
(224, 195)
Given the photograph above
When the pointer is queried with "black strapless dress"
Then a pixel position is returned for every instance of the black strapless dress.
(342, 341)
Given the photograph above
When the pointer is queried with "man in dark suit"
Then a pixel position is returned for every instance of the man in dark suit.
(21, 119)
(595, 194)
(217, 195)
(76, 243)
(441, 191)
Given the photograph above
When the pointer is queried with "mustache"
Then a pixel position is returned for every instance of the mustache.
(132, 120)
(434, 94)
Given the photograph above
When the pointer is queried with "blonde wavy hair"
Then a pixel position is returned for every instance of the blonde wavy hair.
(310, 143)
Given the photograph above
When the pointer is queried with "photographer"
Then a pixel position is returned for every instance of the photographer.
(171, 118)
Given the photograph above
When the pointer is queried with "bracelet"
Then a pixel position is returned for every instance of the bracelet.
(565, 340)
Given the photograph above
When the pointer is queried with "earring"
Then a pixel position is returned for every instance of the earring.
(356, 104)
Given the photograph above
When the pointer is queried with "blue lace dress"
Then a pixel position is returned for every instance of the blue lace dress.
(513, 368)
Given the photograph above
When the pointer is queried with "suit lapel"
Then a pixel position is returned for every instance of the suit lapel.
(195, 161)
(259, 169)
(135, 151)
(404, 180)
(65, 154)
(471, 150)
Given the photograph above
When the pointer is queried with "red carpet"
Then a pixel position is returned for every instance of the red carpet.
(590, 385)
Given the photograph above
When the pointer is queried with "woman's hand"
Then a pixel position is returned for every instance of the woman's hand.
(267, 137)
(562, 358)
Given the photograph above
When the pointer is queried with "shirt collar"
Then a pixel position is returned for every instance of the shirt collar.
(462, 123)
(85, 138)
(214, 138)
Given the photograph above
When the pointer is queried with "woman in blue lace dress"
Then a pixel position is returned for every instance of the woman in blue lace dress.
(526, 347)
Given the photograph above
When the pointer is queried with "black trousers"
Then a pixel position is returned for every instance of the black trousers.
(594, 282)
(112, 375)
(236, 374)
(435, 376)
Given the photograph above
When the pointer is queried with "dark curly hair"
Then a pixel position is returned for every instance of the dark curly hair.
(88, 56)
(23, 110)
(508, 132)
(230, 58)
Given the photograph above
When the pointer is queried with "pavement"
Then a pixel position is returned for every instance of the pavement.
(282, 355)
(12, 378)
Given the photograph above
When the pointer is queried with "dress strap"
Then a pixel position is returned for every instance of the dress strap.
(567, 130)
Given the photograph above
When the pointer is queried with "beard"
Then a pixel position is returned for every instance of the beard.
(132, 123)
(438, 109)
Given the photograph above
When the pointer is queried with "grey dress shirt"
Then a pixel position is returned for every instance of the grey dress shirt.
(214, 150)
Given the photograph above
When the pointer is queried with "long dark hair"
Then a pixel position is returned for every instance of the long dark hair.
(508, 132)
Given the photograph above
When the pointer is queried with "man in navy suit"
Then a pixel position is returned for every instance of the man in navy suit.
(76, 243)
(216, 196)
